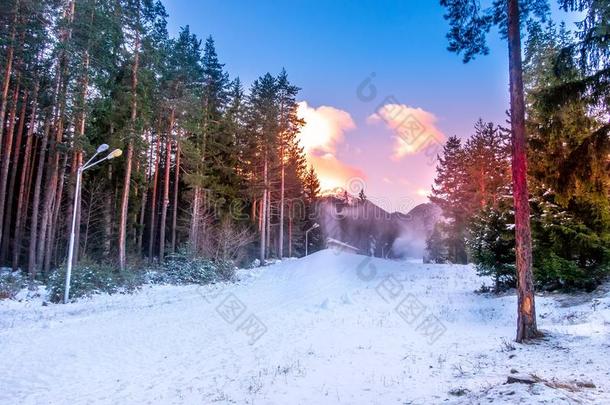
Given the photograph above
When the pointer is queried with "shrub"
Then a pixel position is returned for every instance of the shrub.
(11, 282)
(182, 268)
(491, 245)
(89, 278)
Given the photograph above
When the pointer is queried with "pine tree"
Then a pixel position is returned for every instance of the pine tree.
(449, 193)
(569, 175)
(289, 126)
(469, 26)
(436, 248)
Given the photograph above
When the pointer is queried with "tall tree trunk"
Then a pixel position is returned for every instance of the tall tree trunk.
(290, 231)
(153, 200)
(23, 192)
(195, 221)
(6, 156)
(77, 159)
(283, 175)
(165, 202)
(129, 157)
(54, 223)
(526, 322)
(175, 205)
(58, 127)
(8, 220)
(33, 248)
(108, 205)
(142, 217)
(263, 215)
(8, 70)
(268, 223)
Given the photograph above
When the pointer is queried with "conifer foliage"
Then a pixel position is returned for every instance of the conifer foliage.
(206, 165)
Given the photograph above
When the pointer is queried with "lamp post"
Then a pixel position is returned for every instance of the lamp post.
(79, 175)
(314, 226)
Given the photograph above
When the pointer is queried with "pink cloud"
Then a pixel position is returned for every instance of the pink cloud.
(324, 130)
(414, 128)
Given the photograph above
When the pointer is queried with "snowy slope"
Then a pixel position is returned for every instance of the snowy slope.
(327, 329)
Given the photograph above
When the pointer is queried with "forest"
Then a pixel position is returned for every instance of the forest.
(565, 81)
(170, 233)
(207, 167)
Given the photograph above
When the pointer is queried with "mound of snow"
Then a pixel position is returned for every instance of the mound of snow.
(331, 328)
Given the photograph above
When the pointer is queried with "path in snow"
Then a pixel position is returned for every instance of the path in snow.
(338, 328)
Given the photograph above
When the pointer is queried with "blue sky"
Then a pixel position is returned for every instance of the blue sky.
(329, 47)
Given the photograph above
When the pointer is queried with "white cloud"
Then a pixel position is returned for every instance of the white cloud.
(324, 127)
(324, 130)
(414, 128)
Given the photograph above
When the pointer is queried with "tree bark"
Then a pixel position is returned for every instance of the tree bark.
(526, 322)
(54, 223)
(24, 183)
(129, 157)
(175, 202)
(6, 156)
(290, 231)
(58, 126)
(195, 220)
(7, 72)
(144, 200)
(8, 219)
(108, 203)
(33, 248)
(165, 203)
(263, 215)
(281, 231)
(153, 200)
(77, 159)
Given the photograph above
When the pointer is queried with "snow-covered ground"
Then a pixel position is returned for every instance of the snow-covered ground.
(328, 329)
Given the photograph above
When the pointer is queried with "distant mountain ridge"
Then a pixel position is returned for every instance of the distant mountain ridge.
(372, 229)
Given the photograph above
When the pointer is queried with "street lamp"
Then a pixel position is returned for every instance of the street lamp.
(79, 174)
(314, 226)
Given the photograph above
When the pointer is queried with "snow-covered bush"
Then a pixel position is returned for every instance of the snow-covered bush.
(11, 283)
(182, 268)
(491, 245)
(90, 278)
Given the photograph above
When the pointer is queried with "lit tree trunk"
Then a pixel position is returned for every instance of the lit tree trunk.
(33, 248)
(11, 186)
(54, 223)
(8, 70)
(175, 203)
(53, 155)
(129, 157)
(263, 215)
(142, 218)
(281, 236)
(77, 159)
(165, 203)
(6, 156)
(526, 323)
(108, 203)
(153, 204)
(194, 230)
(290, 232)
(268, 223)
(24, 183)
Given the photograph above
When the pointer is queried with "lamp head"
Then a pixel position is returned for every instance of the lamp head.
(102, 148)
(114, 154)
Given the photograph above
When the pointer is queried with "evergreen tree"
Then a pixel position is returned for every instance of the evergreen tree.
(436, 248)
(362, 196)
(449, 193)
(569, 174)
(469, 25)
